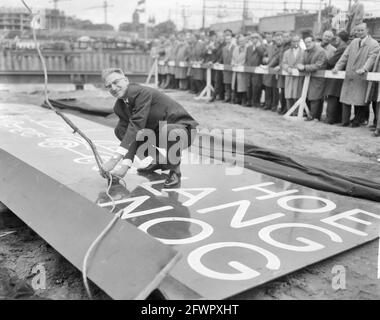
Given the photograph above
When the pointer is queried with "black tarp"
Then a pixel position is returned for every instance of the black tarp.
(280, 166)
(77, 105)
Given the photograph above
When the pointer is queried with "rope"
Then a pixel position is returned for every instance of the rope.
(98, 160)
(99, 238)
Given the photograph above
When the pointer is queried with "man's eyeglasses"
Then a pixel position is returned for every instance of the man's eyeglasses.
(108, 86)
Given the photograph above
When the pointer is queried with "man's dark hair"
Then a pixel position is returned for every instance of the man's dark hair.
(344, 35)
(228, 30)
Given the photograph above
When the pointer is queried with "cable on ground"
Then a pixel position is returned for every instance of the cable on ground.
(98, 160)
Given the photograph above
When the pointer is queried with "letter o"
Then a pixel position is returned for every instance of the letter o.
(207, 230)
(283, 202)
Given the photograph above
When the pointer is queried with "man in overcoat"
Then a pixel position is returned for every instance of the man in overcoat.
(255, 55)
(293, 84)
(272, 60)
(216, 56)
(314, 59)
(373, 96)
(227, 51)
(357, 59)
(182, 55)
(286, 39)
(334, 86)
(239, 79)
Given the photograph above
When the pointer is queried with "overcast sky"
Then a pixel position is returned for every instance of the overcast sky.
(121, 10)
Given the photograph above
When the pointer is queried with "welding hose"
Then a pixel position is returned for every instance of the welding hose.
(98, 160)
(99, 238)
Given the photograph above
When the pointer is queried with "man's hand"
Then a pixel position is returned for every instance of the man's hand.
(276, 69)
(361, 71)
(111, 163)
(334, 71)
(300, 67)
(121, 171)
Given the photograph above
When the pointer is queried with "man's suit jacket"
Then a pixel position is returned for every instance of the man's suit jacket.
(273, 52)
(226, 59)
(333, 87)
(144, 109)
(255, 55)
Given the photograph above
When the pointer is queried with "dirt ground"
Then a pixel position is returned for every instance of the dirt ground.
(349, 151)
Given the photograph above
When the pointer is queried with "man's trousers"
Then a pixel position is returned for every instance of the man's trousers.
(360, 114)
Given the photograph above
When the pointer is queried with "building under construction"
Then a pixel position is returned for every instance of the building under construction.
(12, 19)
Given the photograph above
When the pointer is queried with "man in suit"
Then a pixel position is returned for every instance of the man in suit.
(327, 38)
(147, 113)
(373, 97)
(286, 44)
(334, 86)
(226, 60)
(216, 56)
(272, 60)
(293, 84)
(255, 55)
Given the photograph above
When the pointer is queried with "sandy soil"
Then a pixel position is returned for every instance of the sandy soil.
(349, 151)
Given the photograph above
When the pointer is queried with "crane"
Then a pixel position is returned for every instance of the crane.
(105, 6)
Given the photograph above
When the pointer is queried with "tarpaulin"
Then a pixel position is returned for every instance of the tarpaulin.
(280, 166)
(74, 104)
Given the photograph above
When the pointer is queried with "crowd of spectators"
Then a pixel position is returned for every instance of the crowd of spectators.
(357, 54)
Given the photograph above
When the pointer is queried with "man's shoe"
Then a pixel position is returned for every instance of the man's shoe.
(355, 125)
(309, 118)
(376, 133)
(173, 181)
(372, 128)
(344, 124)
(150, 168)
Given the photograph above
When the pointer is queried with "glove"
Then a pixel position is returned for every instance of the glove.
(121, 171)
